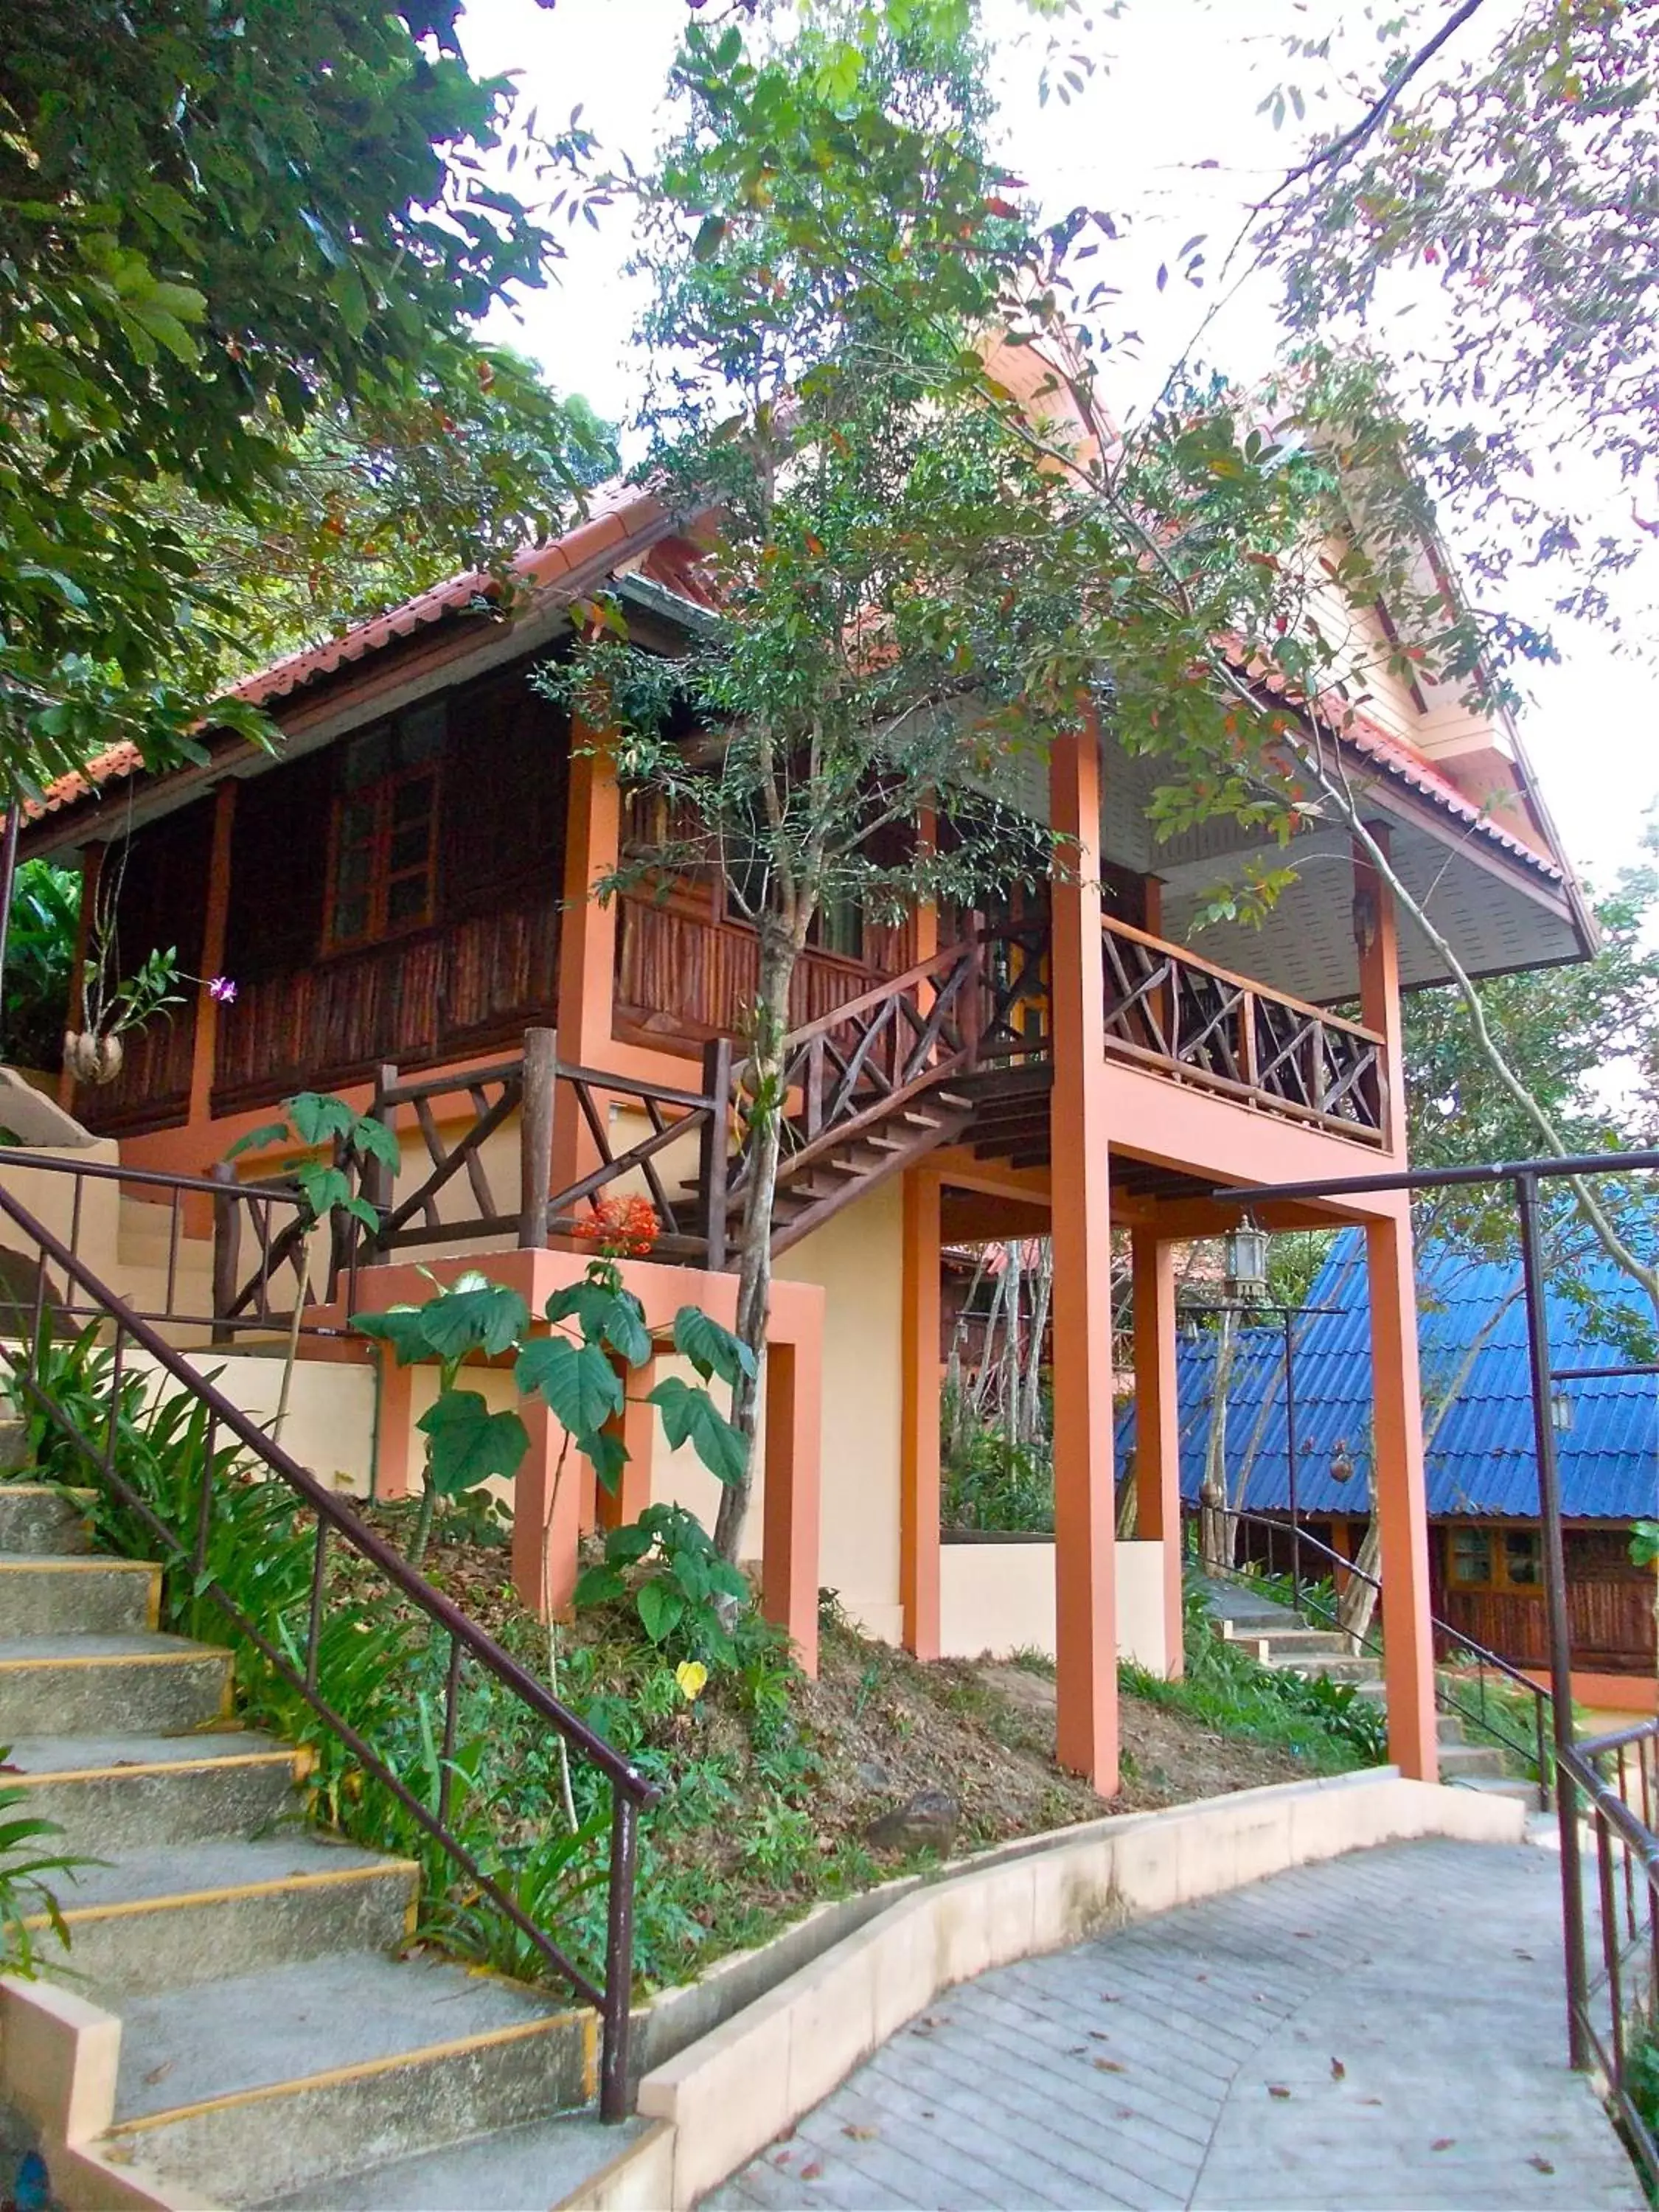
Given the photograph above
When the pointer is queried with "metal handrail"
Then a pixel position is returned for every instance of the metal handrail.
(630, 1791)
(1538, 1752)
(224, 1193)
(1627, 1864)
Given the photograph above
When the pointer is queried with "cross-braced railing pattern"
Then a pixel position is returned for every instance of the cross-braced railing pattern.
(1166, 1008)
(232, 1449)
(1613, 1781)
(850, 1069)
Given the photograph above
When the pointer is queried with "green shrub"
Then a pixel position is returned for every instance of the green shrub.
(989, 1483)
(26, 1891)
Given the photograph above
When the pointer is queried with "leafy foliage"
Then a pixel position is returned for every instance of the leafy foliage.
(316, 1118)
(596, 1326)
(223, 234)
(27, 1871)
(1515, 176)
(45, 911)
(676, 1586)
(989, 1483)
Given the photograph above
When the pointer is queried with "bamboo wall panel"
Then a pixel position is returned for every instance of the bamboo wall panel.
(416, 1001)
(685, 977)
(153, 1089)
(1612, 1624)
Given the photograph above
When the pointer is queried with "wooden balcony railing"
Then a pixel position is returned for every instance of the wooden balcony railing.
(690, 976)
(1168, 1011)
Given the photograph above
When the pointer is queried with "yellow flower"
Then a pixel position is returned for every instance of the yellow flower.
(692, 1674)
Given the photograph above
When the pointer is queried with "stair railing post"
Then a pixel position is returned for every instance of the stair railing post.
(378, 1178)
(618, 1960)
(712, 1166)
(226, 1249)
(541, 1067)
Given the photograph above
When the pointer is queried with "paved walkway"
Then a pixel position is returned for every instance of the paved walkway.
(1382, 2031)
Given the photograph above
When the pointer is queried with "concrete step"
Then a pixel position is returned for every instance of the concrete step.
(1464, 1761)
(1524, 1793)
(1289, 1643)
(1359, 1671)
(542, 2163)
(131, 1793)
(40, 1521)
(255, 2085)
(143, 1684)
(172, 1917)
(44, 1596)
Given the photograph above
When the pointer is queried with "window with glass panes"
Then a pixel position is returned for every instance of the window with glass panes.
(383, 863)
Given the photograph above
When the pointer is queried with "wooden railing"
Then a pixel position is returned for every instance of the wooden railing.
(1168, 1010)
(853, 1067)
(687, 975)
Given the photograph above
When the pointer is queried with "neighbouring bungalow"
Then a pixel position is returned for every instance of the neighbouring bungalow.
(1487, 1579)
(401, 894)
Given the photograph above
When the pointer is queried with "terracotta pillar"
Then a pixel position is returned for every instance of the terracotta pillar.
(919, 1458)
(587, 943)
(1157, 1424)
(1376, 936)
(205, 1044)
(789, 1551)
(546, 1514)
(1085, 1512)
(398, 1450)
(637, 1424)
(1402, 1508)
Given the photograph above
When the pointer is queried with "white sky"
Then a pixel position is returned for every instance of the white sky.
(1184, 80)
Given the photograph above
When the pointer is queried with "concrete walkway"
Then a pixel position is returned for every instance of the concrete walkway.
(1385, 2030)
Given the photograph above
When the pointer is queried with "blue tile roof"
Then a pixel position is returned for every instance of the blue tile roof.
(1480, 1458)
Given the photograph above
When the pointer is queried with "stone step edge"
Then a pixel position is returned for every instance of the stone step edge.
(368, 2069)
(298, 1760)
(60, 2057)
(127, 1908)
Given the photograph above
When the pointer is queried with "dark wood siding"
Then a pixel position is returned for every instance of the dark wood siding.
(469, 982)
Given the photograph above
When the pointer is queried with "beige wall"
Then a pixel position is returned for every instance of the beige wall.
(999, 1598)
(49, 1197)
(857, 1257)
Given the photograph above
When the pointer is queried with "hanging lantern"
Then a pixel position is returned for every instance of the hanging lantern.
(1246, 1263)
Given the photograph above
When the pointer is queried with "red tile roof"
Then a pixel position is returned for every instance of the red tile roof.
(624, 523)
(628, 523)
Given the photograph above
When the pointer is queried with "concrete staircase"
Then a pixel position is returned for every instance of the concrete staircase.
(275, 2045)
(1284, 1640)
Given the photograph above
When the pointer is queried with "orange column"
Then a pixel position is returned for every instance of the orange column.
(637, 1424)
(587, 942)
(1377, 935)
(1084, 1518)
(1157, 1424)
(919, 1556)
(547, 1500)
(1401, 1507)
(206, 1042)
(789, 1551)
(395, 1450)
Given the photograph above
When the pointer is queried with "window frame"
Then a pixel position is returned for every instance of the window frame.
(379, 927)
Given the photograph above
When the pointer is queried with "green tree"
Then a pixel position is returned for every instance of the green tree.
(220, 228)
(1498, 179)
(922, 572)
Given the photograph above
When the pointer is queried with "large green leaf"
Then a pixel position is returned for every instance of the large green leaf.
(483, 1316)
(318, 1117)
(469, 1444)
(403, 1327)
(711, 1349)
(608, 1457)
(581, 1386)
(604, 1316)
(661, 1608)
(689, 1415)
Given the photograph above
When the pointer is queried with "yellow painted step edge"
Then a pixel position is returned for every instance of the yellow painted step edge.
(126, 1908)
(364, 2070)
(294, 1759)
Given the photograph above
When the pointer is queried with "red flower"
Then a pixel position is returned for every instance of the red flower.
(620, 1228)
